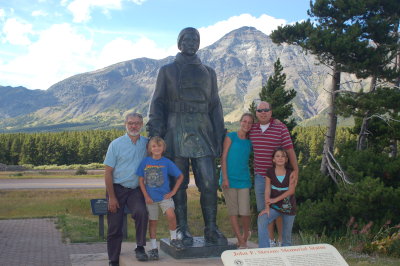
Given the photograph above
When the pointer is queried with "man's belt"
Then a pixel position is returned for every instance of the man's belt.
(187, 107)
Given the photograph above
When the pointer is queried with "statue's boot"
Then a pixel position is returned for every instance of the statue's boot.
(212, 235)
(180, 200)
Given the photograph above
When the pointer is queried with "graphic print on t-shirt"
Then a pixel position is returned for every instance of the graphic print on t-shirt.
(286, 206)
(153, 175)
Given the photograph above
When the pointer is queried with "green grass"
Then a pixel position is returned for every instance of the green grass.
(77, 224)
(75, 220)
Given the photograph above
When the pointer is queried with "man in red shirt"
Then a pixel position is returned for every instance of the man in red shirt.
(267, 135)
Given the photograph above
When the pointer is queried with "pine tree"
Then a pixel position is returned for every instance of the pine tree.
(340, 36)
(275, 94)
(376, 55)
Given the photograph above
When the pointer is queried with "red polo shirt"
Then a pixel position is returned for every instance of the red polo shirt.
(264, 143)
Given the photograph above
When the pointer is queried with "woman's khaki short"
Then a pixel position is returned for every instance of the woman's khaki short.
(164, 205)
(238, 201)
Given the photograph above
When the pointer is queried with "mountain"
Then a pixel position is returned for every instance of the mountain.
(243, 60)
(19, 101)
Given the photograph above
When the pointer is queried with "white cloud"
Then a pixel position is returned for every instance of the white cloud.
(2, 14)
(138, 2)
(59, 53)
(16, 32)
(38, 13)
(81, 8)
(120, 50)
(265, 23)
(63, 2)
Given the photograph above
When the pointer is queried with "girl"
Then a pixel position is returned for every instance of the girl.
(236, 181)
(279, 200)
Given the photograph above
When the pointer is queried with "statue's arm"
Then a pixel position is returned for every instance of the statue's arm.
(216, 114)
(158, 107)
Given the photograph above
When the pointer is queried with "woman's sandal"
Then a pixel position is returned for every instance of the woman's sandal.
(248, 237)
(247, 242)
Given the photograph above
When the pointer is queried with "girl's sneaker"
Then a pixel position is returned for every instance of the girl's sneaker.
(272, 243)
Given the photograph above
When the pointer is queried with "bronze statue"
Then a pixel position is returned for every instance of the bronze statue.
(186, 111)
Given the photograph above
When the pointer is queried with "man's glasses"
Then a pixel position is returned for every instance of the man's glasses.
(134, 123)
(263, 110)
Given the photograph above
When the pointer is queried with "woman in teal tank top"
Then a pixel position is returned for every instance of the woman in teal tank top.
(235, 181)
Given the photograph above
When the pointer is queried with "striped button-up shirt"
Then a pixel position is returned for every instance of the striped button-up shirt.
(264, 144)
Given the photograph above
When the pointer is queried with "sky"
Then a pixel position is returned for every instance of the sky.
(45, 41)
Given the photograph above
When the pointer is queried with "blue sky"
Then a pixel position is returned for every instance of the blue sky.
(45, 41)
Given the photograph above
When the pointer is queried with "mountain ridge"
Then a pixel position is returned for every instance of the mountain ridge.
(243, 60)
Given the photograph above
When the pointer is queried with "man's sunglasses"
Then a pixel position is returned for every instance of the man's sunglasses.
(263, 110)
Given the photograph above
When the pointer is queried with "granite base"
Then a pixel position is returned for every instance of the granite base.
(199, 249)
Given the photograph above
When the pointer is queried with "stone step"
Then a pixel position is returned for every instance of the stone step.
(128, 258)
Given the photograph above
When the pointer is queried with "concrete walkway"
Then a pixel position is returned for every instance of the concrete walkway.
(37, 242)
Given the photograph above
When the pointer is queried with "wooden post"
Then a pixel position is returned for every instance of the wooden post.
(101, 226)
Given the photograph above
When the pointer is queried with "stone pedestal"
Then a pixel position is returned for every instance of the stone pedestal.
(199, 249)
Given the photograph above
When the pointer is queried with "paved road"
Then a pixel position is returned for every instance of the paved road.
(49, 183)
(57, 183)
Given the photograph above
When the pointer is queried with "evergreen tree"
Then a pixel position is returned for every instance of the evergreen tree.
(376, 55)
(15, 150)
(274, 93)
(340, 36)
(383, 108)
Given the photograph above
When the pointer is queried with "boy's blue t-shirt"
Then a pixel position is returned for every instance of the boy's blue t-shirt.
(156, 176)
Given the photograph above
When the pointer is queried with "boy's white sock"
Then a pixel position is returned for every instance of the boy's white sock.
(153, 243)
(173, 234)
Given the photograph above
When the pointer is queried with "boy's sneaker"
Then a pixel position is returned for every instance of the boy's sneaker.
(176, 243)
(141, 254)
(153, 254)
(272, 243)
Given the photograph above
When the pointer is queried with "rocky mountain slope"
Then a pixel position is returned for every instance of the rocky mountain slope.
(243, 60)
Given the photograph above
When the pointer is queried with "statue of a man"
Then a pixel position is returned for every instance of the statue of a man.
(186, 111)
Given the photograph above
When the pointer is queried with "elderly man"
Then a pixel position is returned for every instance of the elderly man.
(123, 157)
(267, 135)
(186, 111)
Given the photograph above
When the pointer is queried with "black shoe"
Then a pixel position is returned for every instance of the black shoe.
(177, 244)
(185, 236)
(153, 254)
(141, 254)
(214, 237)
(113, 263)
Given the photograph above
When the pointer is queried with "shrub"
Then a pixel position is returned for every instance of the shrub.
(386, 241)
(81, 171)
(367, 200)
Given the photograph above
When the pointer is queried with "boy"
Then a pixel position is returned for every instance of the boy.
(154, 172)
